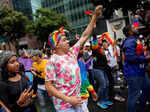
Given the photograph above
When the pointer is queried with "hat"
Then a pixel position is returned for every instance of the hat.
(36, 53)
(87, 44)
(55, 37)
(5, 56)
(141, 36)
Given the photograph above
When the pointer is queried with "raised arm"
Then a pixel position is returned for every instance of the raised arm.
(90, 27)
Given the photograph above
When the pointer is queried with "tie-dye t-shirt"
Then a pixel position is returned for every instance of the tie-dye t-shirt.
(64, 72)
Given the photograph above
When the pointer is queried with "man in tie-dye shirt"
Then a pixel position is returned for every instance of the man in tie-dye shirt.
(62, 71)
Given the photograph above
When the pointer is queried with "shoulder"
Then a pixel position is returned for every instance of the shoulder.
(129, 41)
(51, 60)
(34, 63)
(3, 86)
(44, 61)
(3, 83)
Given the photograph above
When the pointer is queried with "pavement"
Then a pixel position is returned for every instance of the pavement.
(116, 107)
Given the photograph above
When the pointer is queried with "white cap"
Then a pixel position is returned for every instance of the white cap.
(140, 36)
(87, 44)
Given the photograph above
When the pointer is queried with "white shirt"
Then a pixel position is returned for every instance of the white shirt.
(110, 56)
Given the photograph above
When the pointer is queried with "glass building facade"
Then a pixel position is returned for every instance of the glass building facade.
(23, 6)
(73, 10)
(35, 4)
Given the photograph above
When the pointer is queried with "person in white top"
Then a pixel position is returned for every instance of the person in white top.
(110, 53)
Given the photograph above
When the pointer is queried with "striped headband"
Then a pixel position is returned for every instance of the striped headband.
(55, 37)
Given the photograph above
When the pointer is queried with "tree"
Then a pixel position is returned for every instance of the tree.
(12, 24)
(46, 21)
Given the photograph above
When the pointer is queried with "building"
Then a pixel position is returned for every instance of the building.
(6, 3)
(23, 6)
(73, 10)
(35, 4)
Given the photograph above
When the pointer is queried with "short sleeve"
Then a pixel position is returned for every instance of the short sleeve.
(75, 49)
(50, 71)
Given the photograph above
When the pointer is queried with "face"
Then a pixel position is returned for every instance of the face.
(63, 44)
(105, 45)
(133, 31)
(35, 58)
(87, 48)
(118, 43)
(13, 65)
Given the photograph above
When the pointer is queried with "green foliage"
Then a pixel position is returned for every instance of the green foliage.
(46, 21)
(12, 24)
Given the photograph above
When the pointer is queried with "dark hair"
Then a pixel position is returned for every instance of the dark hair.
(104, 41)
(119, 39)
(4, 72)
(126, 30)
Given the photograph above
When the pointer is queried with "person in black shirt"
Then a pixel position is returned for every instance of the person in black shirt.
(15, 92)
(99, 68)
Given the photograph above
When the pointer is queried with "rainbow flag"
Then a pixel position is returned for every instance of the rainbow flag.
(89, 13)
(139, 48)
(95, 44)
(136, 23)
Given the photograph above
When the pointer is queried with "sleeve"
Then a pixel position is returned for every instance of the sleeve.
(131, 53)
(90, 88)
(135, 58)
(88, 63)
(75, 49)
(50, 71)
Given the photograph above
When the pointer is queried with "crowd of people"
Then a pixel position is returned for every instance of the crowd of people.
(73, 71)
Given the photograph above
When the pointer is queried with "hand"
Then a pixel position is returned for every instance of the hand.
(75, 101)
(94, 97)
(27, 103)
(33, 69)
(98, 10)
(27, 93)
(33, 72)
(44, 46)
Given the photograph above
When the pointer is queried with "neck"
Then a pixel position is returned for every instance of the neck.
(60, 52)
(11, 75)
(39, 60)
(14, 78)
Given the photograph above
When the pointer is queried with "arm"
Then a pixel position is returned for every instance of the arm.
(92, 91)
(115, 36)
(137, 59)
(90, 27)
(54, 92)
(7, 110)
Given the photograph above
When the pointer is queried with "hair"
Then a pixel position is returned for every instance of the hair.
(4, 71)
(119, 39)
(36, 53)
(126, 30)
(104, 41)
